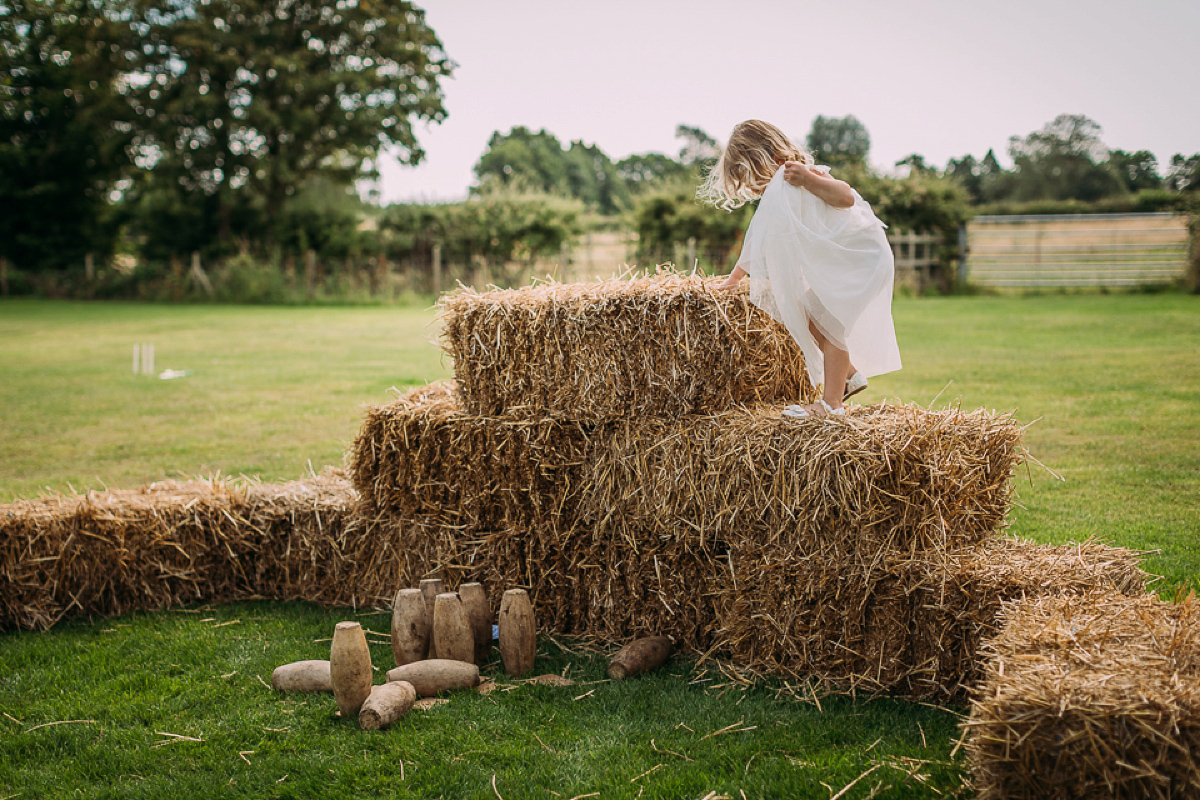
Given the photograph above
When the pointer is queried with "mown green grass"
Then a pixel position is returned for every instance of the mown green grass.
(127, 684)
(271, 390)
(1109, 384)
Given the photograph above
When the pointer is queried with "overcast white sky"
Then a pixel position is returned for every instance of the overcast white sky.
(942, 78)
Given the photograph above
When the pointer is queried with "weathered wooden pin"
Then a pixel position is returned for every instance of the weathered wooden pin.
(436, 675)
(452, 637)
(640, 655)
(518, 632)
(349, 667)
(474, 600)
(410, 633)
(302, 676)
(386, 704)
(430, 589)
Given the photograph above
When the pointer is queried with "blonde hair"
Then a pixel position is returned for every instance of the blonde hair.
(748, 162)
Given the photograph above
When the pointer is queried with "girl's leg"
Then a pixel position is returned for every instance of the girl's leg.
(823, 343)
(837, 370)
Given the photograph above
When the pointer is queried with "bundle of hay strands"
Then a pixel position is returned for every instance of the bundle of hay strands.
(666, 344)
(303, 530)
(423, 454)
(916, 626)
(177, 542)
(957, 607)
(165, 544)
(883, 482)
(1094, 695)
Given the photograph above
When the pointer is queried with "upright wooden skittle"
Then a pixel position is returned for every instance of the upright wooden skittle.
(518, 632)
(410, 632)
(452, 637)
(349, 667)
(430, 589)
(474, 600)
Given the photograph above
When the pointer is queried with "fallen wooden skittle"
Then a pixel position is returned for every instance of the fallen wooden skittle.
(640, 655)
(436, 675)
(349, 667)
(410, 633)
(430, 589)
(302, 676)
(386, 704)
(474, 601)
(452, 636)
(518, 633)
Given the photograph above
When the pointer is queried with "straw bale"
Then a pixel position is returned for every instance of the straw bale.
(386, 553)
(884, 482)
(422, 454)
(303, 529)
(111, 552)
(581, 583)
(957, 607)
(913, 627)
(1092, 695)
(666, 344)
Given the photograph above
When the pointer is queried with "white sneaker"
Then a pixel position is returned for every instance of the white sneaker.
(854, 384)
(800, 411)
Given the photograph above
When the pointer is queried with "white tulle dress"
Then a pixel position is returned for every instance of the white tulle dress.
(808, 261)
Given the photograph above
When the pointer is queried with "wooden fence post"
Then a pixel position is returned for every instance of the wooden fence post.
(199, 275)
(564, 263)
(89, 266)
(437, 268)
(4, 276)
(381, 275)
(310, 273)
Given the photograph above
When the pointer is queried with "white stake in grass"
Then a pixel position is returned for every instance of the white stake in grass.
(143, 359)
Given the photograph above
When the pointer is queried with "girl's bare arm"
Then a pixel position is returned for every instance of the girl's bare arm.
(834, 192)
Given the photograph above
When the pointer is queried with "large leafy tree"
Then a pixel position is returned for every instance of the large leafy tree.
(1136, 171)
(252, 98)
(1064, 160)
(528, 161)
(839, 141)
(641, 170)
(62, 131)
(1183, 173)
(524, 160)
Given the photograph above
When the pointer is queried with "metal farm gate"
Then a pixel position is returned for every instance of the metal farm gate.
(1076, 250)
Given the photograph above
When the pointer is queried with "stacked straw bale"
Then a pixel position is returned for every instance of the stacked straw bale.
(112, 552)
(956, 608)
(303, 530)
(172, 543)
(913, 628)
(423, 454)
(1092, 695)
(863, 550)
(617, 448)
(663, 345)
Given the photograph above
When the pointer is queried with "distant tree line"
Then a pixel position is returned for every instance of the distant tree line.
(1063, 166)
(141, 132)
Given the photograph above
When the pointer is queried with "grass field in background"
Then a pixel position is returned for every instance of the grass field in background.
(271, 389)
(1109, 384)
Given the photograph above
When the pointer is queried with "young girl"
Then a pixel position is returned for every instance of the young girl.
(817, 259)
